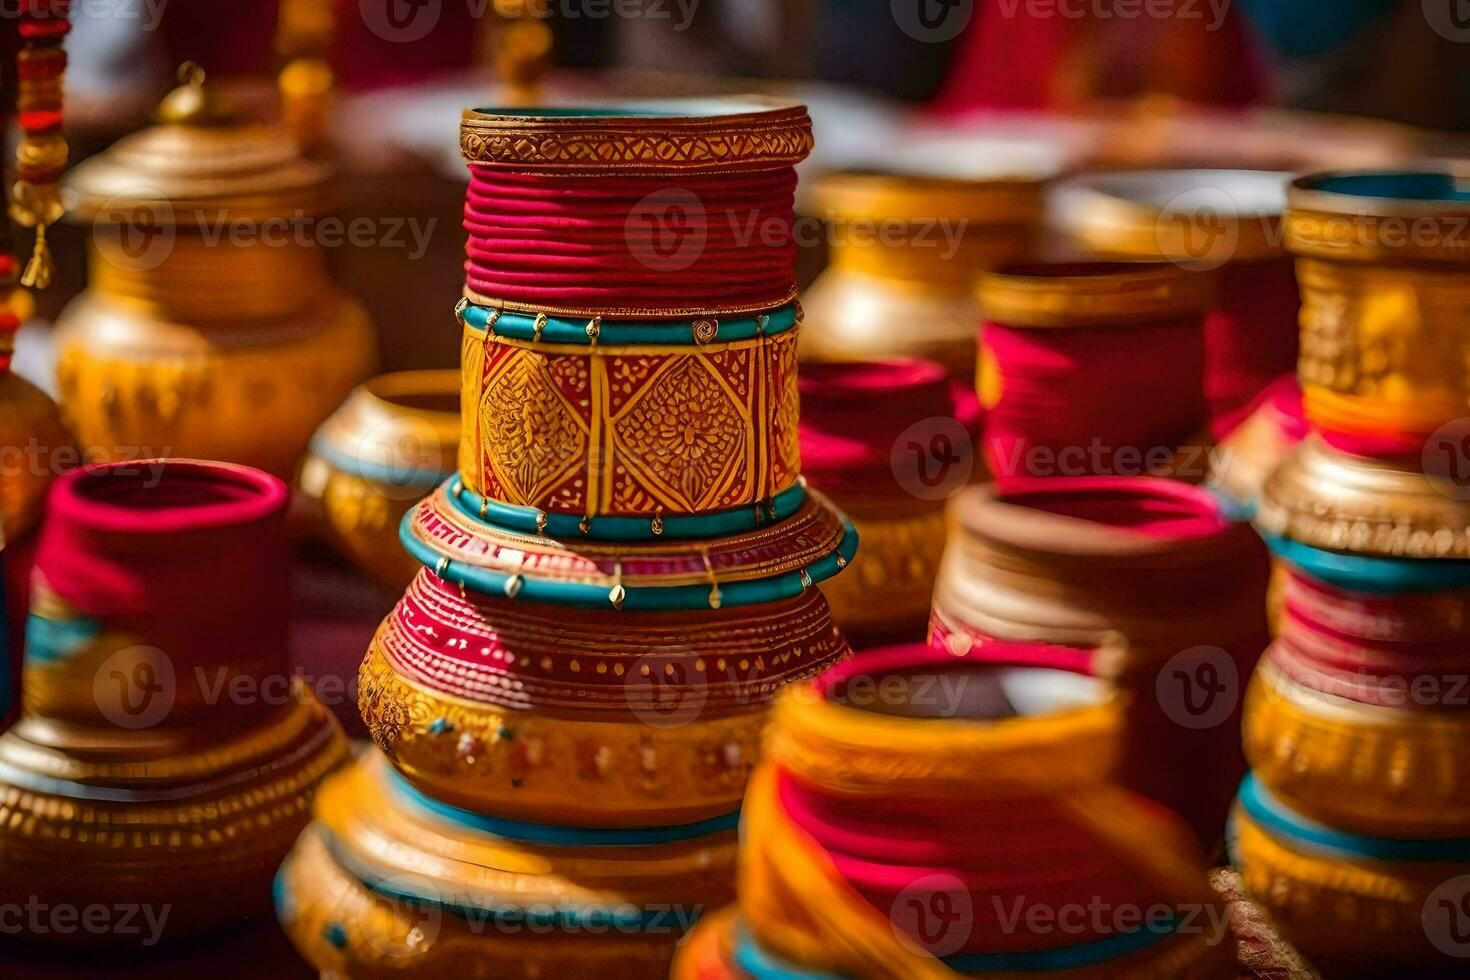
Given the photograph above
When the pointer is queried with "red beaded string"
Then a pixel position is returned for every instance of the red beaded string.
(42, 154)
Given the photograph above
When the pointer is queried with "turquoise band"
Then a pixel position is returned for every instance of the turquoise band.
(676, 527)
(517, 325)
(636, 598)
(763, 965)
(1280, 821)
(412, 476)
(554, 836)
(1368, 573)
(50, 641)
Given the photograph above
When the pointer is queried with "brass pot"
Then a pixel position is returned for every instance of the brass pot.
(905, 253)
(209, 327)
(1382, 259)
(393, 441)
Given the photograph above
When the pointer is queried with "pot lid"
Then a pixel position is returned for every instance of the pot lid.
(200, 161)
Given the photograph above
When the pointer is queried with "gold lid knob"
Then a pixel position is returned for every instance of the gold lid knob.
(192, 104)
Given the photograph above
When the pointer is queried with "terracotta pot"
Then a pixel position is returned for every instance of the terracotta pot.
(888, 441)
(1152, 575)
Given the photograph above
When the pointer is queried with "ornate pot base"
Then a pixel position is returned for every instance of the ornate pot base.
(193, 838)
(1354, 906)
(389, 883)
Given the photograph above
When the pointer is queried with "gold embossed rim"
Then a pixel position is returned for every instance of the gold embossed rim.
(673, 136)
(864, 195)
(1382, 216)
(1149, 214)
(1080, 294)
(1329, 499)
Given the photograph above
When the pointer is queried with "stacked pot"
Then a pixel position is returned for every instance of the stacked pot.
(620, 576)
(164, 757)
(1353, 829)
(922, 816)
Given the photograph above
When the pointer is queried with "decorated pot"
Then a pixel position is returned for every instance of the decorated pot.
(1355, 905)
(164, 757)
(1142, 580)
(394, 440)
(209, 327)
(1227, 222)
(458, 892)
(589, 717)
(1093, 369)
(568, 698)
(905, 251)
(911, 803)
(888, 441)
(1381, 260)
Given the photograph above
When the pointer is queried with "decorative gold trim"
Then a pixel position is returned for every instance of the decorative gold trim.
(1092, 294)
(1364, 769)
(859, 196)
(631, 312)
(525, 765)
(1341, 914)
(1327, 499)
(760, 134)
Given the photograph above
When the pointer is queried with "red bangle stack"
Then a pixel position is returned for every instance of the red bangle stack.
(566, 243)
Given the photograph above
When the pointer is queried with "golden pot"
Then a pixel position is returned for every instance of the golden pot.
(209, 327)
(393, 441)
(33, 441)
(1382, 260)
(388, 883)
(905, 253)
